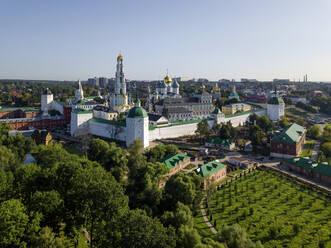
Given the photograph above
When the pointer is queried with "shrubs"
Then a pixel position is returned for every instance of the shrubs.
(274, 213)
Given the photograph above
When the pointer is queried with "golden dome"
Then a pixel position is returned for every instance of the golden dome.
(120, 57)
(216, 88)
(167, 79)
(203, 87)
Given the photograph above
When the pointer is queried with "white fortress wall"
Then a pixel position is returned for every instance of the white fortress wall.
(57, 106)
(261, 112)
(241, 119)
(79, 123)
(107, 130)
(173, 131)
(238, 120)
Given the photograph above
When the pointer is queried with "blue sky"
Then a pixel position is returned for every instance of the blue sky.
(71, 39)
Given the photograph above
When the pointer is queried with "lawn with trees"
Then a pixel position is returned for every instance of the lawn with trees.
(273, 210)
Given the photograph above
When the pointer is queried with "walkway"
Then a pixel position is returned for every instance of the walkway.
(205, 217)
(314, 155)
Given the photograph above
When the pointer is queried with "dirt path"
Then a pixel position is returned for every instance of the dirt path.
(205, 217)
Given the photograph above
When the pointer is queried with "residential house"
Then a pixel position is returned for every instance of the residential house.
(176, 162)
(288, 143)
(212, 172)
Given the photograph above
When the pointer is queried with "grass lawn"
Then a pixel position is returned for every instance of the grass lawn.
(307, 149)
(273, 210)
(306, 153)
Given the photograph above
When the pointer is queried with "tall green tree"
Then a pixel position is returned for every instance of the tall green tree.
(4, 129)
(283, 121)
(256, 135)
(314, 132)
(6, 185)
(140, 230)
(16, 227)
(7, 158)
(96, 197)
(49, 203)
(203, 129)
(180, 188)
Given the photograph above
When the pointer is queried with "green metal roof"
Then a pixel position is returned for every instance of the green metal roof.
(109, 122)
(137, 112)
(290, 134)
(81, 111)
(234, 94)
(276, 101)
(211, 168)
(308, 164)
(219, 141)
(173, 161)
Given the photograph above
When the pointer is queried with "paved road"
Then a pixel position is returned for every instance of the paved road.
(205, 217)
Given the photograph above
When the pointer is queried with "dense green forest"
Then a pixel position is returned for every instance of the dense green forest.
(111, 198)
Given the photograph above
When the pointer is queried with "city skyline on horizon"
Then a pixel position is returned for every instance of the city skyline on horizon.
(216, 39)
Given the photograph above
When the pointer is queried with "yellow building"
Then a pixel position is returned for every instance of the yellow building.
(234, 108)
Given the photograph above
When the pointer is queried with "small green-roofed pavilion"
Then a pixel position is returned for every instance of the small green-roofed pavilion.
(173, 161)
(210, 168)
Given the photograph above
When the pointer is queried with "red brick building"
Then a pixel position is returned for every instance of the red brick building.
(176, 162)
(212, 172)
(26, 118)
(13, 113)
(319, 171)
(47, 122)
(288, 143)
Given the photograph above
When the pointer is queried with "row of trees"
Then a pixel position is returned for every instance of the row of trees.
(27, 94)
(224, 130)
(323, 102)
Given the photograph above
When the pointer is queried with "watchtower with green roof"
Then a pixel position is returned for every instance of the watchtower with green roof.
(275, 107)
(218, 115)
(137, 125)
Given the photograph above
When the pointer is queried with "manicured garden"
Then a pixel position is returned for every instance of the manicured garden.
(272, 209)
